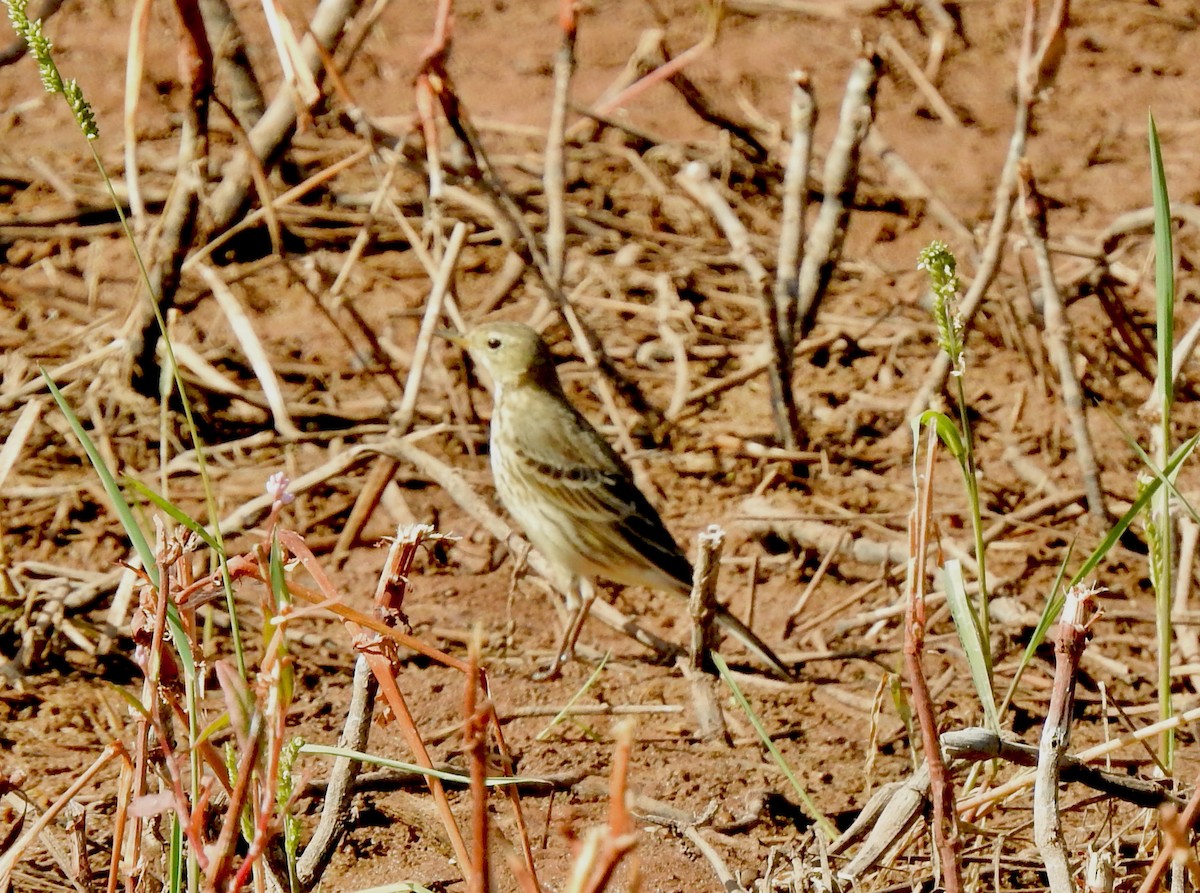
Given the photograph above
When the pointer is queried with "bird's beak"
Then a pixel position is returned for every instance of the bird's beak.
(453, 337)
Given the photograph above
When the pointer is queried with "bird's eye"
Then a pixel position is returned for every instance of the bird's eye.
(493, 342)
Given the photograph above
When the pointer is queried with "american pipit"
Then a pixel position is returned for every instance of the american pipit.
(571, 493)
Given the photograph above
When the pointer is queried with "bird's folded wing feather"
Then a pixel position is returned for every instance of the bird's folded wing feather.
(577, 469)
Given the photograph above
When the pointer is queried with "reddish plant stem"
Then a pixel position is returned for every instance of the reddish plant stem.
(945, 831)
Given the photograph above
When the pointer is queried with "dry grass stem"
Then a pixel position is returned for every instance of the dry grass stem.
(945, 829)
(243, 329)
(1032, 77)
(697, 181)
(824, 244)
(1060, 343)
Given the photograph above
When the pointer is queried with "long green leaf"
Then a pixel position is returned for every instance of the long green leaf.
(138, 539)
(1164, 274)
(827, 827)
(178, 515)
(969, 635)
(1055, 602)
(496, 781)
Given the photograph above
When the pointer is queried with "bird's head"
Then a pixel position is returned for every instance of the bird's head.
(511, 353)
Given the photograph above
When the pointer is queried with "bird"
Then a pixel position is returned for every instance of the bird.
(574, 497)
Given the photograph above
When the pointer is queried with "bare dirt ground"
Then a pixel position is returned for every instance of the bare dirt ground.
(646, 269)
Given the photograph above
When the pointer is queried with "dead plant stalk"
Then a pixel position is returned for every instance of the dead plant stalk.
(945, 832)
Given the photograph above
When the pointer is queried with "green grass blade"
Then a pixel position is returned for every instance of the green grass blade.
(1164, 274)
(827, 827)
(178, 515)
(970, 637)
(136, 537)
(453, 777)
(1054, 605)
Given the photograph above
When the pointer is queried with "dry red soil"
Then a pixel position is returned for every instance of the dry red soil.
(646, 270)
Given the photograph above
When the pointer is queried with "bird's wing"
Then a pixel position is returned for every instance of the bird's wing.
(575, 467)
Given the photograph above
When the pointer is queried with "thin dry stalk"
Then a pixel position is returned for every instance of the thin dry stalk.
(1059, 341)
(554, 175)
(697, 182)
(791, 226)
(382, 196)
(139, 25)
(335, 808)
(278, 203)
(945, 833)
(1077, 615)
(652, 41)
(979, 745)
(380, 653)
(253, 347)
(433, 59)
(402, 420)
(824, 244)
(475, 724)
(14, 444)
(1186, 635)
(233, 62)
(433, 310)
(897, 53)
(272, 132)
(12, 856)
(976, 804)
(1034, 73)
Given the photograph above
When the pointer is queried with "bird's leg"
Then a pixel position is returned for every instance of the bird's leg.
(583, 594)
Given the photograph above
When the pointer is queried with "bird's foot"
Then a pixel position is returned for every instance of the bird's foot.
(554, 669)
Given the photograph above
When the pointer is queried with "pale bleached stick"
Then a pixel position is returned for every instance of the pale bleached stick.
(327, 26)
(298, 76)
(896, 51)
(246, 98)
(667, 299)
(243, 330)
(795, 204)
(648, 47)
(13, 854)
(62, 375)
(554, 173)
(1058, 342)
(139, 24)
(15, 442)
(1187, 636)
(364, 234)
(1077, 615)
(292, 195)
(429, 322)
(1032, 75)
(824, 244)
(335, 804)
(697, 182)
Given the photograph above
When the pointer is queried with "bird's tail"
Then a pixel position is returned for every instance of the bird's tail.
(750, 639)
